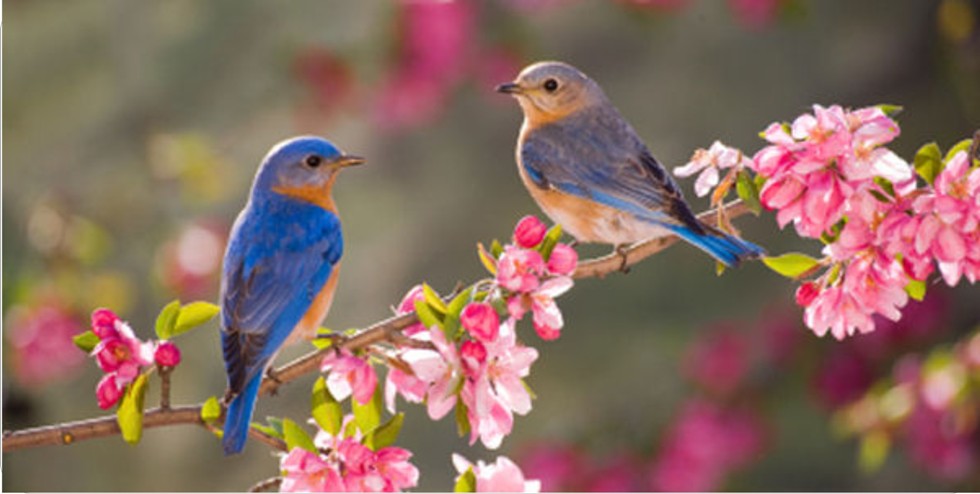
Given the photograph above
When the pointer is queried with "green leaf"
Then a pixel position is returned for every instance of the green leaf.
(323, 339)
(791, 265)
(274, 429)
(86, 341)
(386, 434)
(462, 420)
(193, 315)
(296, 437)
(747, 191)
(890, 110)
(486, 259)
(211, 410)
(167, 320)
(325, 408)
(928, 162)
(466, 482)
(130, 413)
(550, 241)
(426, 315)
(496, 249)
(963, 145)
(916, 289)
(432, 298)
(873, 451)
(885, 185)
(368, 416)
(457, 304)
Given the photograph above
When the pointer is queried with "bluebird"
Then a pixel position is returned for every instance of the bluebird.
(280, 268)
(588, 170)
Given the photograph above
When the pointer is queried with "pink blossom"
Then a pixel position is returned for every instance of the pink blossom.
(755, 14)
(939, 449)
(560, 467)
(710, 162)
(503, 475)
(441, 370)
(563, 260)
(407, 306)
(123, 354)
(547, 318)
(108, 391)
(474, 356)
(481, 320)
(304, 471)
(529, 232)
(519, 270)
(41, 345)
(349, 375)
(387, 470)
(406, 384)
(167, 354)
(718, 361)
(842, 377)
(621, 473)
(104, 323)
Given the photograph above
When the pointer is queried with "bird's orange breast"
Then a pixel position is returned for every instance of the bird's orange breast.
(310, 323)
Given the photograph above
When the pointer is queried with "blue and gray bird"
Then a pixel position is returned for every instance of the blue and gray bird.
(280, 268)
(587, 169)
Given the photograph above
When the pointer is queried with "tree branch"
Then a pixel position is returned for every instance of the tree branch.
(388, 330)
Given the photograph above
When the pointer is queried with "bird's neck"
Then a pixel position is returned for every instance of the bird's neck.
(319, 195)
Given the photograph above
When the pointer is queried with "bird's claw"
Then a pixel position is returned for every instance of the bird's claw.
(621, 251)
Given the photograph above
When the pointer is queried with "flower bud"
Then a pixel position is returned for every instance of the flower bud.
(107, 392)
(104, 323)
(167, 354)
(806, 293)
(529, 232)
(563, 260)
(481, 320)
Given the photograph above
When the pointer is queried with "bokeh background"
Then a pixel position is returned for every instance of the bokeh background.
(132, 131)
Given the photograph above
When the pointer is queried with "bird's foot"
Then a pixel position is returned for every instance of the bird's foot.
(273, 376)
(621, 251)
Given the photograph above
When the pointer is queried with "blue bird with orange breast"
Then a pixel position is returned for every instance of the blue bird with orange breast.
(588, 170)
(280, 268)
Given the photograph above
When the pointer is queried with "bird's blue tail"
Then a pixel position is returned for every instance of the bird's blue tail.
(239, 417)
(727, 249)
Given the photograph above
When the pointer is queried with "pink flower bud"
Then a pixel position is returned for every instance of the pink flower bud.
(167, 354)
(806, 293)
(104, 323)
(473, 355)
(107, 392)
(563, 260)
(529, 232)
(481, 320)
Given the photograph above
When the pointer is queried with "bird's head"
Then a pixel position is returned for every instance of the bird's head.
(548, 91)
(302, 168)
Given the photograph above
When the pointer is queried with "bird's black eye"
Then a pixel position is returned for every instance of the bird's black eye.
(313, 161)
(550, 85)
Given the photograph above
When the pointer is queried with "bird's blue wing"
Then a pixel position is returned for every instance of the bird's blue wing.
(275, 266)
(596, 155)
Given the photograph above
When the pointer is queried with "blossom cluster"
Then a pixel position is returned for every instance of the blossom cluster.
(343, 463)
(122, 355)
(479, 368)
(830, 174)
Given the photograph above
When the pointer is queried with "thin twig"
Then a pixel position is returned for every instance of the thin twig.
(267, 485)
(388, 330)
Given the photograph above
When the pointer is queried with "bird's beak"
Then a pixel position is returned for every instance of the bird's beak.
(346, 160)
(510, 88)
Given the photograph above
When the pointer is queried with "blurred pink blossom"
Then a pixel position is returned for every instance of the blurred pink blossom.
(755, 14)
(718, 361)
(560, 467)
(41, 343)
(934, 444)
(503, 475)
(621, 473)
(349, 375)
(841, 377)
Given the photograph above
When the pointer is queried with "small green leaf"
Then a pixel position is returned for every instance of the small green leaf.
(193, 315)
(211, 410)
(296, 437)
(916, 289)
(486, 259)
(368, 416)
(496, 249)
(432, 298)
(167, 320)
(86, 341)
(550, 241)
(323, 339)
(466, 482)
(459, 302)
(928, 162)
(426, 315)
(386, 434)
(963, 145)
(747, 191)
(873, 451)
(325, 408)
(719, 268)
(274, 429)
(890, 110)
(130, 413)
(791, 265)
(462, 419)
